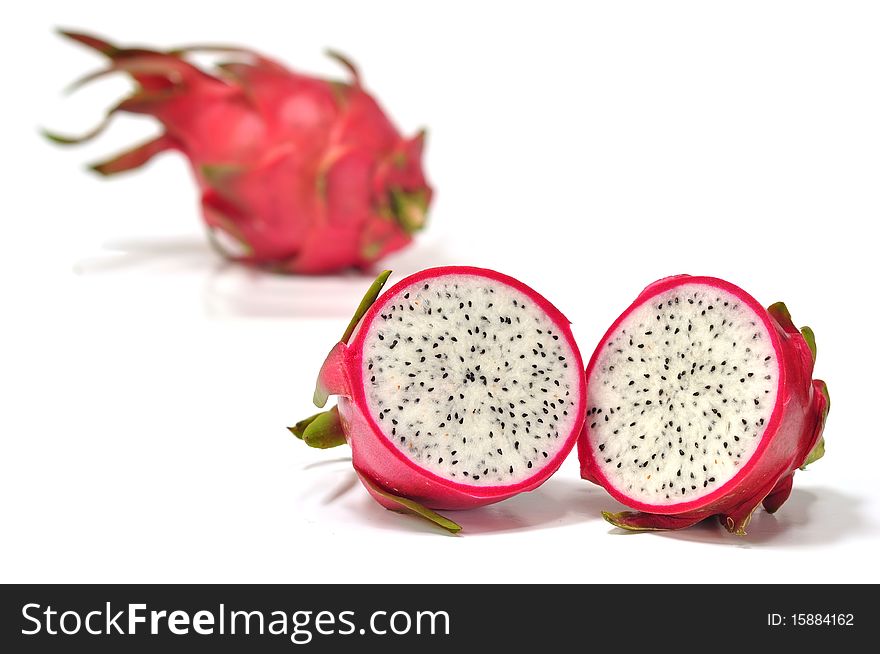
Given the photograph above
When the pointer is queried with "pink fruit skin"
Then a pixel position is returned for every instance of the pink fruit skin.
(378, 460)
(306, 175)
(793, 430)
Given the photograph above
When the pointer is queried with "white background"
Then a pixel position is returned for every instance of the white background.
(587, 148)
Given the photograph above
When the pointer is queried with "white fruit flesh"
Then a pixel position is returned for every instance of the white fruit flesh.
(471, 379)
(681, 394)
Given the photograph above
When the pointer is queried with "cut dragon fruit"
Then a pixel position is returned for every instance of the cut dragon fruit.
(699, 403)
(457, 388)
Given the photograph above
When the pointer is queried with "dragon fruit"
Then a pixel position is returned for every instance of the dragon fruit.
(297, 174)
(701, 403)
(457, 388)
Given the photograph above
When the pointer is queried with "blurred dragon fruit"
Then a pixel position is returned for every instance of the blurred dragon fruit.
(297, 174)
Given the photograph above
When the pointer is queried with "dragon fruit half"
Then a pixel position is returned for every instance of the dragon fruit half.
(701, 403)
(297, 174)
(457, 388)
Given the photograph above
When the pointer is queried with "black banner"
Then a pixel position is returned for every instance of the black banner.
(169, 618)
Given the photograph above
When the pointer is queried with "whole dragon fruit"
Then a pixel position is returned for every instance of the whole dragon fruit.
(701, 403)
(457, 388)
(298, 174)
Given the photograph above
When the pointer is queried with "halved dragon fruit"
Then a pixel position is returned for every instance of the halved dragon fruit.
(699, 403)
(457, 388)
